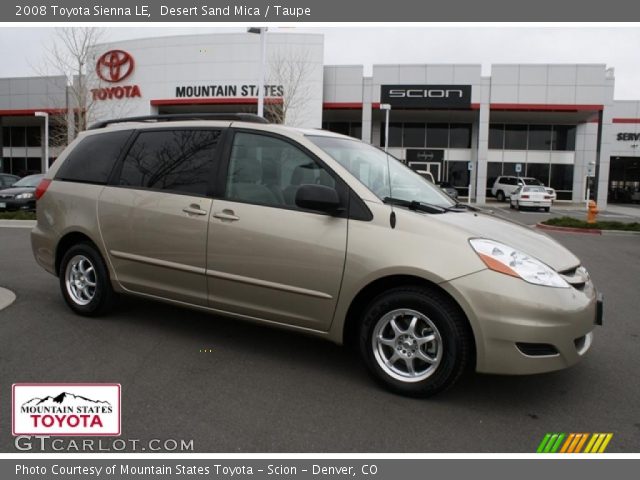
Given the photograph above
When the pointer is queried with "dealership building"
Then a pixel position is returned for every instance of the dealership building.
(559, 123)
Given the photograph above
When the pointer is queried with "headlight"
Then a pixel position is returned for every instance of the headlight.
(501, 258)
(23, 196)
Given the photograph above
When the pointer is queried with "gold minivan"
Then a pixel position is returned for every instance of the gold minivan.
(311, 231)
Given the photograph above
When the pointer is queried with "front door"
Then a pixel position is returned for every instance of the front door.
(154, 218)
(267, 258)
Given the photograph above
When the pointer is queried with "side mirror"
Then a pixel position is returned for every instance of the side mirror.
(318, 197)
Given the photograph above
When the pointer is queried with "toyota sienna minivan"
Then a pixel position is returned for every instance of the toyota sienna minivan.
(311, 231)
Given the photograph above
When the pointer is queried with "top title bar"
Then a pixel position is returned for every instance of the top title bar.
(285, 11)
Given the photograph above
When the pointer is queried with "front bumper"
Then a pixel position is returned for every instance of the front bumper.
(521, 328)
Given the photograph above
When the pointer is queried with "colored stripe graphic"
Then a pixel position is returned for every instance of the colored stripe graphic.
(574, 443)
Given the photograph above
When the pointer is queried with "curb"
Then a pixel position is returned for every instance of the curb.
(588, 231)
(7, 297)
(18, 223)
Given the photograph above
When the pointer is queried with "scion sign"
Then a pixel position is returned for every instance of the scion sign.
(426, 96)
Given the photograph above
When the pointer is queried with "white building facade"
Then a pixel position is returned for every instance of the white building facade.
(558, 123)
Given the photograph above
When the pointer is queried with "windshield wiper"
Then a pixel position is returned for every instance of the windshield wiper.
(415, 205)
(458, 206)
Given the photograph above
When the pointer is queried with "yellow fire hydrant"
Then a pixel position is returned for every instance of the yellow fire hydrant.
(592, 212)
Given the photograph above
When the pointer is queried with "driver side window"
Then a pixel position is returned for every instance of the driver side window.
(268, 171)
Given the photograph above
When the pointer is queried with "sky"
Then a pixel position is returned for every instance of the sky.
(23, 48)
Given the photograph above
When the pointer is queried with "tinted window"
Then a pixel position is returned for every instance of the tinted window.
(460, 135)
(539, 137)
(438, 135)
(540, 171)
(413, 135)
(395, 134)
(268, 171)
(531, 181)
(562, 177)
(515, 137)
(496, 136)
(18, 136)
(174, 160)
(93, 158)
(564, 137)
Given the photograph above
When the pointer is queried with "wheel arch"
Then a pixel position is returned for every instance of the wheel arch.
(66, 242)
(380, 285)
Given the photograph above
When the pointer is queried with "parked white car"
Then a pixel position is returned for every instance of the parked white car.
(505, 185)
(530, 197)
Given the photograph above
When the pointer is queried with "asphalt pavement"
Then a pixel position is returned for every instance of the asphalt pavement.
(232, 386)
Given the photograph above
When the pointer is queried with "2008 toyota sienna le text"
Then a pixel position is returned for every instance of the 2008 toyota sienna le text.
(312, 231)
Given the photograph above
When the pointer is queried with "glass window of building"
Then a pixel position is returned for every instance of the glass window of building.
(515, 137)
(563, 137)
(395, 134)
(496, 136)
(33, 136)
(413, 135)
(562, 178)
(539, 171)
(494, 170)
(437, 135)
(539, 137)
(18, 137)
(460, 135)
(458, 173)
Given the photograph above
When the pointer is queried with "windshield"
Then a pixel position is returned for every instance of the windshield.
(30, 181)
(532, 181)
(371, 166)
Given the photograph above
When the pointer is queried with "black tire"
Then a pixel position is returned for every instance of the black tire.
(500, 196)
(519, 206)
(511, 205)
(455, 341)
(103, 298)
(547, 209)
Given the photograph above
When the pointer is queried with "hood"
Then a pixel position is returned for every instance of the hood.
(527, 240)
(13, 191)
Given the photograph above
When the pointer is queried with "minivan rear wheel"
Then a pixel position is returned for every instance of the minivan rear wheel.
(500, 196)
(84, 281)
(415, 341)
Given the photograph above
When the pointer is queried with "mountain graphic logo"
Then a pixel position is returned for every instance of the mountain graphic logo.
(63, 399)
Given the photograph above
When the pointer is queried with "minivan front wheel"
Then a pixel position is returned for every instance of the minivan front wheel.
(415, 341)
(84, 281)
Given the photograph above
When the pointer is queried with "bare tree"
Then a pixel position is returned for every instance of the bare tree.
(289, 71)
(71, 54)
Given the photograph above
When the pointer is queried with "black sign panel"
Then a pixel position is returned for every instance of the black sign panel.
(421, 155)
(426, 96)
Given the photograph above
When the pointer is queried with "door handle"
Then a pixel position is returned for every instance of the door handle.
(226, 215)
(194, 209)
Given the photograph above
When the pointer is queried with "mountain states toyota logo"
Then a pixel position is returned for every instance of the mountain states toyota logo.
(81, 409)
(114, 66)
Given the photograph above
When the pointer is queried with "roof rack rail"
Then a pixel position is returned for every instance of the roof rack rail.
(240, 117)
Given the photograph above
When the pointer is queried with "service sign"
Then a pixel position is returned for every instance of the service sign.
(426, 96)
(66, 409)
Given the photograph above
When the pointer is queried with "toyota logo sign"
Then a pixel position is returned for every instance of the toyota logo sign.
(114, 66)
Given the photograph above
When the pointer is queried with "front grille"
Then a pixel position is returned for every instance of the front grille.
(537, 349)
(6, 197)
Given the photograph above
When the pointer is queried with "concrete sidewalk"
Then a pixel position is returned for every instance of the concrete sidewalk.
(7, 297)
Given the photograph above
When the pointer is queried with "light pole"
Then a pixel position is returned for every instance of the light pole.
(45, 166)
(262, 31)
(387, 108)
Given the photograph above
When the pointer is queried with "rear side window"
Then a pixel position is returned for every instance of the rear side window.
(175, 160)
(92, 160)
